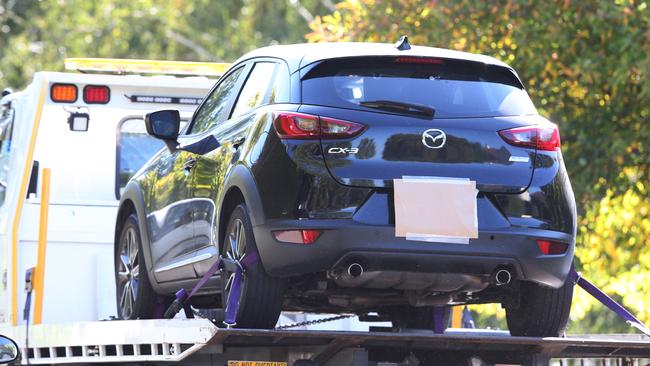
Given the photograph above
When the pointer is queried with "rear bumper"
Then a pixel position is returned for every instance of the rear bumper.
(346, 240)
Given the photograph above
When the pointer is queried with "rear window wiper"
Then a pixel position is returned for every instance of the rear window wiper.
(400, 107)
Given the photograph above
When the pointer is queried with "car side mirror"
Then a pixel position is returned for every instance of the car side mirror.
(9, 351)
(164, 125)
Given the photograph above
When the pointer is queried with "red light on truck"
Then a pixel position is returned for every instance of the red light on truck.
(97, 94)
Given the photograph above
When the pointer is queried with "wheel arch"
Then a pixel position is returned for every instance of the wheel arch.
(240, 187)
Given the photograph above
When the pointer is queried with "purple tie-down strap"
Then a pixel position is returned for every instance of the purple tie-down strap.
(249, 259)
(181, 301)
(608, 301)
(233, 299)
(176, 305)
(213, 269)
(439, 325)
(232, 307)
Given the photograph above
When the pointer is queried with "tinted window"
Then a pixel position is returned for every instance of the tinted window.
(453, 88)
(254, 93)
(6, 130)
(214, 109)
(135, 147)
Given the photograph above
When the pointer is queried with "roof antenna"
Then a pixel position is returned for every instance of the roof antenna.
(403, 43)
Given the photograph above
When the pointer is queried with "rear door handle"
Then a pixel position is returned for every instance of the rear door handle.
(188, 165)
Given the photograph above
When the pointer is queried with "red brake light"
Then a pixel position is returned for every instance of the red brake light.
(297, 236)
(419, 60)
(534, 137)
(292, 125)
(63, 93)
(97, 94)
(552, 247)
(548, 138)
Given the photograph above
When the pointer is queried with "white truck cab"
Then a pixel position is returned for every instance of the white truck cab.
(88, 129)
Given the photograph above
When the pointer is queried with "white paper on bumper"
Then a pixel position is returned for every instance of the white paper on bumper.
(436, 209)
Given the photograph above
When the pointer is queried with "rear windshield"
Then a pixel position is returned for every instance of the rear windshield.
(452, 88)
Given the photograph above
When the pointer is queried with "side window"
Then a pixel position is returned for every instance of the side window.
(214, 110)
(6, 130)
(280, 89)
(134, 148)
(254, 93)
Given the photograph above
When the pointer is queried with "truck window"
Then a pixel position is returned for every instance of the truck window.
(6, 130)
(134, 148)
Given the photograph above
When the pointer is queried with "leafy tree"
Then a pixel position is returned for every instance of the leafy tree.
(586, 67)
(38, 35)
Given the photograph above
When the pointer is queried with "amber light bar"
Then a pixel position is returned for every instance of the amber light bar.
(63, 93)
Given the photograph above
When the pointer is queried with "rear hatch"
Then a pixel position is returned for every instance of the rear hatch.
(422, 117)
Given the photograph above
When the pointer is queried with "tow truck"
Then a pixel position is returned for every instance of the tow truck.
(77, 125)
(81, 135)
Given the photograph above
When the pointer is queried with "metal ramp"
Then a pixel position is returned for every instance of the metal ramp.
(199, 342)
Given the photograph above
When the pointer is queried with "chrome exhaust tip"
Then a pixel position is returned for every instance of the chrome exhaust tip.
(502, 277)
(355, 270)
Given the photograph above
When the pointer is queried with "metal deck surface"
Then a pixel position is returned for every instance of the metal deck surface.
(472, 342)
(177, 340)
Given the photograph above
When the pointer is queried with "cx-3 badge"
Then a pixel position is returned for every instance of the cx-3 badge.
(434, 138)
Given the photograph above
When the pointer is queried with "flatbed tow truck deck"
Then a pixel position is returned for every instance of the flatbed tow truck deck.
(200, 342)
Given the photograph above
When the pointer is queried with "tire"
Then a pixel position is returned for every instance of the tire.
(261, 297)
(134, 295)
(543, 311)
(410, 317)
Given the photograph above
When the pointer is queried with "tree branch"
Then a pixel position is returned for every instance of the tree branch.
(202, 52)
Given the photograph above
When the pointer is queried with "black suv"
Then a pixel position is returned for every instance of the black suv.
(291, 160)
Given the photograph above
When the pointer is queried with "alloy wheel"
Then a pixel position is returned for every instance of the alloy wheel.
(235, 249)
(128, 273)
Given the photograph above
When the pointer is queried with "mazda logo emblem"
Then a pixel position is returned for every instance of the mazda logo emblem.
(434, 138)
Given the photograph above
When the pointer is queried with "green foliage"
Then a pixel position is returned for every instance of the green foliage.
(586, 65)
(38, 35)
(615, 248)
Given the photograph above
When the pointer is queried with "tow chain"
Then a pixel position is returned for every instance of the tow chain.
(206, 315)
(317, 321)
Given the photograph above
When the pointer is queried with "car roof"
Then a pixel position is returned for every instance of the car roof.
(300, 55)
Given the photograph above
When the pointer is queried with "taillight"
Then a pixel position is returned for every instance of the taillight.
(292, 125)
(63, 93)
(534, 137)
(97, 94)
(296, 125)
(552, 247)
(297, 236)
(334, 128)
